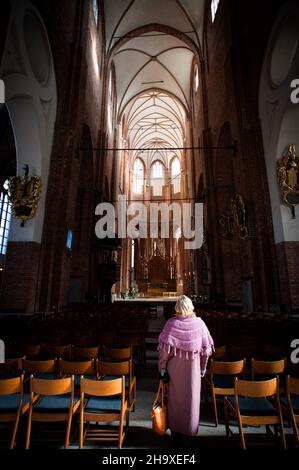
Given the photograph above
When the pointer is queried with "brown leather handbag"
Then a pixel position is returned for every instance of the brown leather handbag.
(159, 411)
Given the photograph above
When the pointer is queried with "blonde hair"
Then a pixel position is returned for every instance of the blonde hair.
(184, 306)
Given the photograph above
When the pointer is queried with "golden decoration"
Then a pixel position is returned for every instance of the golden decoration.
(239, 215)
(288, 176)
(24, 195)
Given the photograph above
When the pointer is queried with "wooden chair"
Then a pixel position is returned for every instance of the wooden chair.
(265, 370)
(12, 367)
(251, 406)
(111, 370)
(219, 352)
(84, 353)
(31, 350)
(291, 402)
(77, 368)
(240, 351)
(49, 403)
(13, 403)
(221, 380)
(103, 401)
(53, 351)
(45, 369)
(119, 354)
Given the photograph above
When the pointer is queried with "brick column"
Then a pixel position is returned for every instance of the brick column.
(20, 278)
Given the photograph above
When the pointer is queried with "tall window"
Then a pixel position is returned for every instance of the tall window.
(132, 254)
(214, 8)
(5, 217)
(157, 178)
(196, 78)
(138, 176)
(95, 8)
(176, 175)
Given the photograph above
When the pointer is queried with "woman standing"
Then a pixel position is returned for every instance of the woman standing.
(185, 345)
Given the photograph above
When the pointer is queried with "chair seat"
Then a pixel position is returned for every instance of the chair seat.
(254, 406)
(55, 403)
(113, 377)
(223, 381)
(294, 401)
(11, 402)
(103, 405)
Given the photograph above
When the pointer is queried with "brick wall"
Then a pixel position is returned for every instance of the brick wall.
(20, 280)
(288, 261)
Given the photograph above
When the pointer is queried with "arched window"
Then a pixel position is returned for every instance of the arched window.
(176, 175)
(5, 217)
(95, 8)
(138, 176)
(157, 178)
(214, 8)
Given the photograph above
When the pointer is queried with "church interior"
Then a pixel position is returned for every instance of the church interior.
(148, 150)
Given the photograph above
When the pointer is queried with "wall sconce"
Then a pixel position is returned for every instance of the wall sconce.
(24, 195)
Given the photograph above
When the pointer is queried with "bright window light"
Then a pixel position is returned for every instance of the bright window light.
(214, 8)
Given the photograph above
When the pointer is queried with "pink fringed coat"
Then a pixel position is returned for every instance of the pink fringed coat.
(185, 345)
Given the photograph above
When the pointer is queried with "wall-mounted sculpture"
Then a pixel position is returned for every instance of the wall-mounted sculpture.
(288, 178)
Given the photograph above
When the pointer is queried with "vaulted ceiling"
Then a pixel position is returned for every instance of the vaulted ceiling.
(153, 44)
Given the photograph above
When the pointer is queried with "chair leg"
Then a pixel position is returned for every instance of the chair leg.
(68, 431)
(28, 432)
(215, 407)
(120, 432)
(81, 431)
(127, 420)
(241, 432)
(282, 434)
(14, 432)
(226, 418)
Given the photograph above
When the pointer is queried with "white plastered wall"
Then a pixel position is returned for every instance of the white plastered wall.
(27, 70)
(279, 116)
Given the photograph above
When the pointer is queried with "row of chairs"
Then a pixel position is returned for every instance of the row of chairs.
(220, 375)
(55, 400)
(135, 348)
(93, 368)
(221, 381)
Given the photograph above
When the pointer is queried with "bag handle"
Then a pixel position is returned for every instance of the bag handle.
(161, 390)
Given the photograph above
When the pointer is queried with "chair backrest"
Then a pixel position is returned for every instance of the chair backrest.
(102, 388)
(292, 385)
(252, 389)
(9, 386)
(12, 364)
(117, 353)
(267, 367)
(227, 368)
(51, 387)
(114, 368)
(240, 351)
(42, 367)
(220, 351)
(31, 349)
(84, 352)
(56, 351)
(77, 367)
